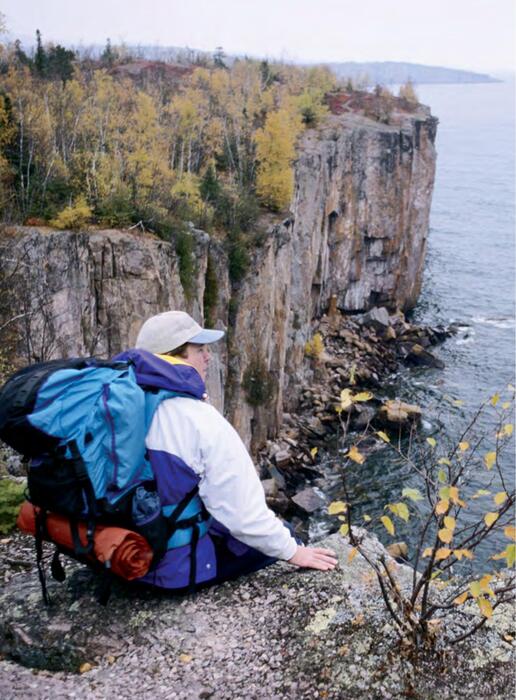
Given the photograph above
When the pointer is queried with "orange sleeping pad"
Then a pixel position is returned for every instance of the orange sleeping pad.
(130, 553)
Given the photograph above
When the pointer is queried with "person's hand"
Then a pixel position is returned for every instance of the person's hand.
(314, 558)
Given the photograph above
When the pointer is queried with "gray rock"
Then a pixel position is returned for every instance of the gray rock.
(282, 458)
(377, 317)
(309, 500)
(419, 357)
(270, 487)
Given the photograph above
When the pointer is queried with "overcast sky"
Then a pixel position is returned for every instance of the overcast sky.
(471, 34)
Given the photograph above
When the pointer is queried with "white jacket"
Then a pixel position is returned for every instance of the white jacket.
(230, 488)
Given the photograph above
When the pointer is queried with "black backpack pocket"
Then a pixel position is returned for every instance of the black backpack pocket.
(53, 484)
(149, 521)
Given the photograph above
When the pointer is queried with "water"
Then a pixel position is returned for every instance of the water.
(469, 278)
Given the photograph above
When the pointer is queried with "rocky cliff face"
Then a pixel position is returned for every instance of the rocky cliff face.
(357, 230)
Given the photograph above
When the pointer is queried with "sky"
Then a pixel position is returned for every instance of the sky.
(474, 35)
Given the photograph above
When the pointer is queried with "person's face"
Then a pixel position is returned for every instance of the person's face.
(199, 357)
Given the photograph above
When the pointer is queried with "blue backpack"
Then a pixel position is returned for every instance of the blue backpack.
(81, 424)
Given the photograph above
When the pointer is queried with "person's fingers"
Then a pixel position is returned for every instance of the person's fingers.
(323, 561)
(326, 557)
(321, 550)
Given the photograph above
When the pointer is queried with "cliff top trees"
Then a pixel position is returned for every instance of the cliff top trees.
(201, 145)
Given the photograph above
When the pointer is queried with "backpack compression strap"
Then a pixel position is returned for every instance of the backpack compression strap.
(174, 524)
(84, 480)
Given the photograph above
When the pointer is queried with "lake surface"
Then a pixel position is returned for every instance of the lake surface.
(469, 278)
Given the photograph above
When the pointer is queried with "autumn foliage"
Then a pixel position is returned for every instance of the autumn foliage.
(88, 143)
(455, 498)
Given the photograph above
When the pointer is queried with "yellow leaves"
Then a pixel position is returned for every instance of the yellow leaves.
(494, 399)
(444, 493)
(442, 506)
(388, 524)
(481, 492)
(484, 583)
(352, 554)
(431, 441)
(450, 493)
(490, 459)
(344, 529)
(478, 590)
(463, 446)
(449, 522)
(460, 599)
(509, 554)
(500, 498)
(355, 455)
(442, 553)
(506, 431)
(337, 507)
(345, 399)
(428, 552)
(490, 519)
(454, 497)
(400, 509)
(444, 460)
(275, 151)
(485, 607)
(315, 347)
(314, 451)
(367, 518)
(506, 405)
(510, 532)
(412, 494)
(475, 588)
(445, 535)
(185, 658)
(441, 476)
(383, 436)
(85, 667)
(459, 553)
(74, 216)
(363, 396)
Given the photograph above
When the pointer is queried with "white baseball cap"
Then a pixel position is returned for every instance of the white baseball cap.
(171, 329)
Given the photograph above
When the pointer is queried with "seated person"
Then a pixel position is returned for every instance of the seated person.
(203, 470)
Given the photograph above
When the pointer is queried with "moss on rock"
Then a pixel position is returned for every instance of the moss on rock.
(12, 494)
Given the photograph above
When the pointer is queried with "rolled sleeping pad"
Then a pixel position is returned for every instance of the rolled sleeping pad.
(129, 553)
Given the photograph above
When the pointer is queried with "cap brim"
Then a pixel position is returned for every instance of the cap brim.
(206, 336)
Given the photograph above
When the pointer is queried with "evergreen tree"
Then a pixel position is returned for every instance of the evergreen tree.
(209, 186)
(108, 56)
(20, 55)
(40, 58)
(218, 58)
(60, 63)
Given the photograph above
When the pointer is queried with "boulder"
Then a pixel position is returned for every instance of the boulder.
(270, 487)
(282, 458)
(419, 357)
(309, 500)
(377, 317)
(398, 413)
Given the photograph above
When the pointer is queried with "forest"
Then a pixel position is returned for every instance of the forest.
(116, 141)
